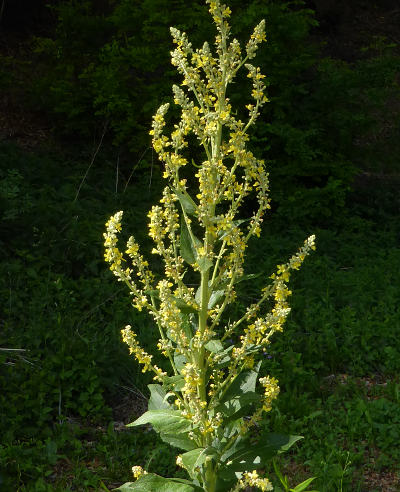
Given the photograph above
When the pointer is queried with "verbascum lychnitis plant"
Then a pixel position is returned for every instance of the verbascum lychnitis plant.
(211, 402)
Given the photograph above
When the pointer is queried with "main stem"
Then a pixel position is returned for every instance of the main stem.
(210, 475)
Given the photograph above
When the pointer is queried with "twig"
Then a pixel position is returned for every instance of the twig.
(116, 175)
(2, 10)
(135, 167)
(92, 161)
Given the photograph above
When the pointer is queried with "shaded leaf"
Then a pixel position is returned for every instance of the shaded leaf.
(187, 249)
(268, 446)
(215, 297)
(244, 382)
(239, 405)
(174, 382)
(187, 203)
(183, 307)
(179, 361)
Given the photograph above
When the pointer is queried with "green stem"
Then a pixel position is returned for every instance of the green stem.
(210, 477)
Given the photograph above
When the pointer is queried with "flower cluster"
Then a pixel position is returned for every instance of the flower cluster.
(138, 471)
(271, 391)
(252, 479)
(129, 337)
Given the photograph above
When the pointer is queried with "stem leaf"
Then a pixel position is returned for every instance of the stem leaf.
(188, 251)
(152, 482)
(166, 421)
(157, 399)
(187, 203)
(214, 346)
(192, 460)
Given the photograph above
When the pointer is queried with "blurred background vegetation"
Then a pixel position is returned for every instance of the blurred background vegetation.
(79, 82)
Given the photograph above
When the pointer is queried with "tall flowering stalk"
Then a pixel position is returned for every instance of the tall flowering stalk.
(209, 404)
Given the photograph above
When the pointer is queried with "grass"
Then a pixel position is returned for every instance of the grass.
(64, 401)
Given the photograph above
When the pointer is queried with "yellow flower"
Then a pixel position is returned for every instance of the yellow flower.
(138, 471)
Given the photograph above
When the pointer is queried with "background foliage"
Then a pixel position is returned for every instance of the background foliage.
(94, 72)
(111, 60)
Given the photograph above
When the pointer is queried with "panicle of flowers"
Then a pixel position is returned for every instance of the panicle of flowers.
(256, 38)
(129, 337)
(271, 391)
(112, 254)
(160, 141)
(258, 85)
(115, 258)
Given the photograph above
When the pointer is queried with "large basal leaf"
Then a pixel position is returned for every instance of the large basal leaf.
(245, 455)
(165, 421)
(154, 483)
(157, 399)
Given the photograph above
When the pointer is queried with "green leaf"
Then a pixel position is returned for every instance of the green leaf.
(179, 361)
(236, 223)
(214, 346)
(181, 441)
(195, 458)
(244, 382)
(215, 297)
(166, 421)
(247, 277)
(303, 485)
(174, 382)
(187, 326)
(187, 203)
(239, 405)
(268, 446)
(204, 263)
(183, 307)
(279, 473)
(154, 483)
(188, 251)
(157, 399)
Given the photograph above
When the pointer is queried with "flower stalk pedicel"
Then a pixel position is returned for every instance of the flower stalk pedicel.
(209, 402)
